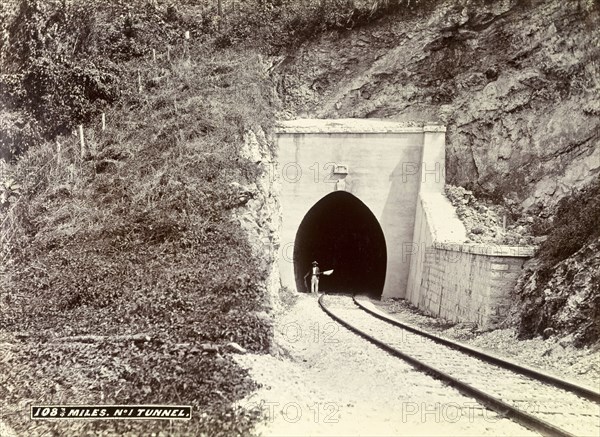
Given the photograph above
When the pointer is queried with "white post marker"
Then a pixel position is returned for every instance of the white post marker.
(186, 48)
(81, 140)
(58, 152)
(103, 121)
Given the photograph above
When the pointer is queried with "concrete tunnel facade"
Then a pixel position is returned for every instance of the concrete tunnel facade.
(349, 191)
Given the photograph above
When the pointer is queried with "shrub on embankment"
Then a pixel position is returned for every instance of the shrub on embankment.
(561, 294)
(52, 76)
(292, 22)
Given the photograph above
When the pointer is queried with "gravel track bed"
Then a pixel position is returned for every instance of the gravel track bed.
(559, 407)
(327, 381)
(554, 355)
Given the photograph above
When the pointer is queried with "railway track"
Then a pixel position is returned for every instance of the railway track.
(538, 401)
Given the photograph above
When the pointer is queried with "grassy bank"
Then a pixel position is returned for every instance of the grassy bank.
(135, 236)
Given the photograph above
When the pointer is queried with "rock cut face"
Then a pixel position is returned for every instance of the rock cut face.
(342, 234)
(515, 82)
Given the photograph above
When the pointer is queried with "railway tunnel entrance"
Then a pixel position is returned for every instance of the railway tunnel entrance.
(341, 233)
(388, 165)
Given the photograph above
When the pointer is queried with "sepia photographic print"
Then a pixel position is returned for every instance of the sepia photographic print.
(299, 218)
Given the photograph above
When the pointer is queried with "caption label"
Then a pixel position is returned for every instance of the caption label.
(171, 412)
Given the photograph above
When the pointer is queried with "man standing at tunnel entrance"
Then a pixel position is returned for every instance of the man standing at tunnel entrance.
(314, 274)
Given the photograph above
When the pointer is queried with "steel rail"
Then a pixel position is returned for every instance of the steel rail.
(492, 402)
(585, 392)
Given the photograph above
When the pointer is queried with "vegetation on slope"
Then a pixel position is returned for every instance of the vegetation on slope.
(574, 225)
(562, 294)
(134, 237)
(292, 22)
(62, 62)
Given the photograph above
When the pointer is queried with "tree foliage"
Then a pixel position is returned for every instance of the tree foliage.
(51, 78)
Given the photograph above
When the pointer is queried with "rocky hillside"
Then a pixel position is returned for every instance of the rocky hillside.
(517, 84)
(559, 292)
(567, 301)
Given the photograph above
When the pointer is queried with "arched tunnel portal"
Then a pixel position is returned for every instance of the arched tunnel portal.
(341, 233)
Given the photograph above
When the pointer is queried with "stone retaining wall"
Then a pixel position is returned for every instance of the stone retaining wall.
(460, 282)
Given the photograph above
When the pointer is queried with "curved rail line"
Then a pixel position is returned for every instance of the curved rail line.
(479, 376)
(580, 390)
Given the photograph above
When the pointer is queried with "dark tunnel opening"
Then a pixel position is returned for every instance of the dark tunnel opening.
(341, 233)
